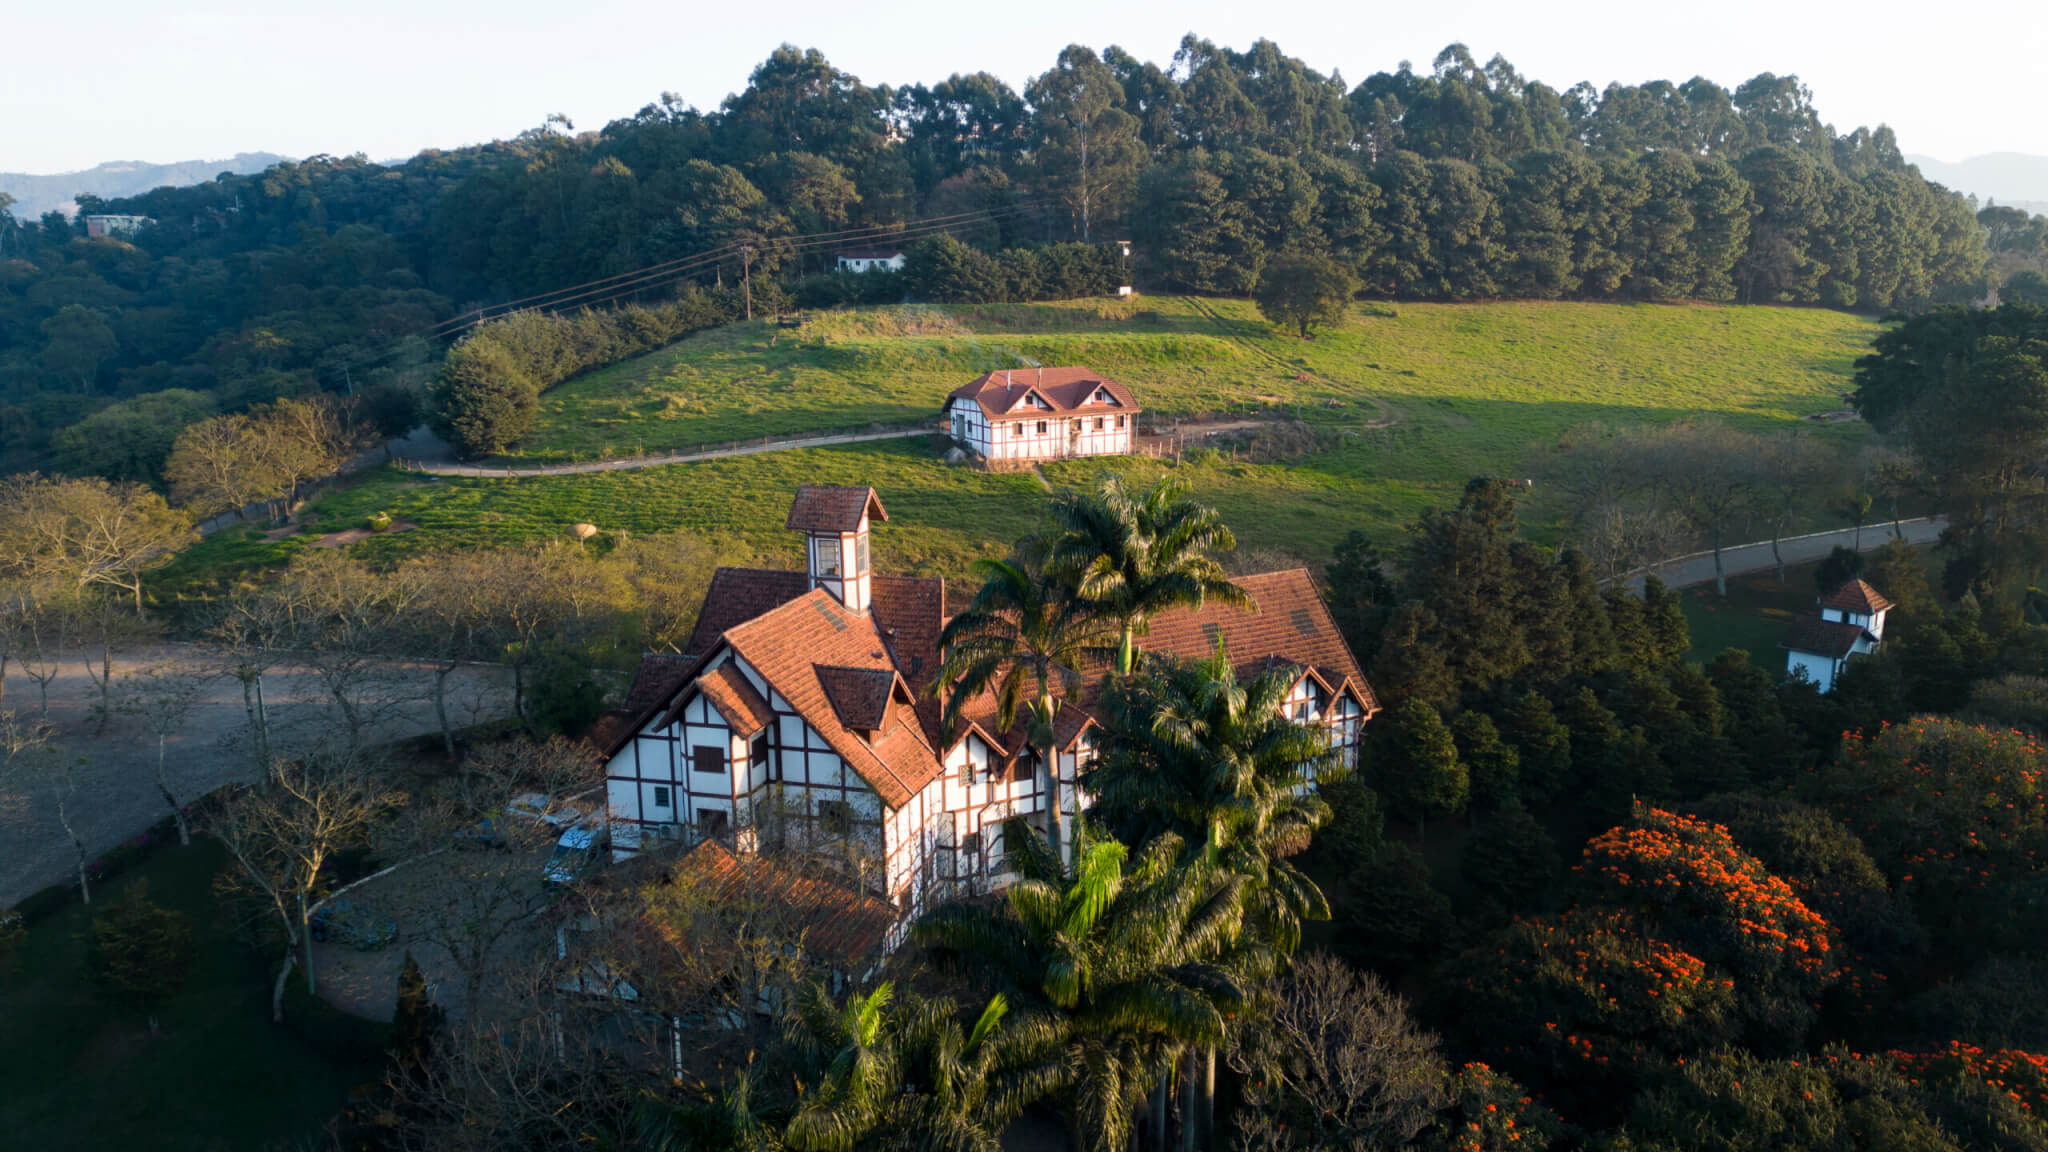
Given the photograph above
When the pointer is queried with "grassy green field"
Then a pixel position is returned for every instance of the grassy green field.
(1473, 389)
(1508, 373)
(1758, 610)
(78, 1074)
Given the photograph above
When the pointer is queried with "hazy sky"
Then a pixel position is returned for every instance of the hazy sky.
(146, 80)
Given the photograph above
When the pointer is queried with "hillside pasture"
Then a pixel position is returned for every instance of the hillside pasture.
(1469, 366)
(1470, 389)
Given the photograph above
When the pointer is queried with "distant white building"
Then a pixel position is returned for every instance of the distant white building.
(116, 225)
(1851, 623)
(1042, 414)
(871, 259)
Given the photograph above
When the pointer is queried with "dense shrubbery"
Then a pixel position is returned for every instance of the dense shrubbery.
(943, 269)
(492, 379)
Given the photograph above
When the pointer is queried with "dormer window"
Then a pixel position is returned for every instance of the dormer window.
(825, 555)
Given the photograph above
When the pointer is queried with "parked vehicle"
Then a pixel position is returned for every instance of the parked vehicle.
(539, 806)
(575, 853)
(354, 925)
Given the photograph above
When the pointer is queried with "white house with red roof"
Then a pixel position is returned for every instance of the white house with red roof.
(1031, 414)
(1850, 623)
(800, 715)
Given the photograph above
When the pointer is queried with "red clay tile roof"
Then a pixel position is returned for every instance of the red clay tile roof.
(829, 508)
(789, 644)
(727, 689)
(612, 727)
(1856, 596)
(657, 678)
(840, 924)
(1290, 625)
(736, 596)
(1065, 389)
(859, 696)
(1831, 638)
(912, 610)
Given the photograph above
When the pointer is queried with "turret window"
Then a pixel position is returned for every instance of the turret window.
(825, 555)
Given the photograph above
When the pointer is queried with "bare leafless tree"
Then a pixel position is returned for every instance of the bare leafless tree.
(162, 696)
(88, 532)
(44, 625)
(1335, 1063)
(283, 834)
(254, 632)
(1708, 473)
(1790, 469)
(33, 767)
(451, 620)
(477, 904)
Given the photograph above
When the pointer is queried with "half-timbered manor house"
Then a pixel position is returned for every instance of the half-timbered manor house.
(799, 715)
(1042, 414)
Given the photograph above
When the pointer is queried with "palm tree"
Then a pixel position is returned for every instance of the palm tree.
(1191, 755)
(909, 1077)
(1135, 556)
(1024, 637)
(1189, 751)
(1132, 965)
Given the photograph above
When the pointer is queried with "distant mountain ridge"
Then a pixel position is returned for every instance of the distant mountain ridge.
(2014, 179)
(35, 195)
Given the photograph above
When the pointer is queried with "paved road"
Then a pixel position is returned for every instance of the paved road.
(439, 469)
(1698, 568)
(117, 795)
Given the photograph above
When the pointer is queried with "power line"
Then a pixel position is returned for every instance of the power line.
(654, 276)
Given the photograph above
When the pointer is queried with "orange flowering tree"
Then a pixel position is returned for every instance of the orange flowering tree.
(1588, 994)
(1937, 1102)
(1937, 796)
(1489, 1112)
(1957, 816)
(1679, 941)
(2021, 1077)
(1686, 881)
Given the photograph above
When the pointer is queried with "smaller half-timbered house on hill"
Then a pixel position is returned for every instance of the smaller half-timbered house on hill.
(800, 716)
(1042, 414)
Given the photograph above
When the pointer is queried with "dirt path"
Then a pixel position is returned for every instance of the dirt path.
(440, 469)
(1698, 568)
(117, 794)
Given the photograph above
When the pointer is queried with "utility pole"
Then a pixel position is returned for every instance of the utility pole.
(747, 277)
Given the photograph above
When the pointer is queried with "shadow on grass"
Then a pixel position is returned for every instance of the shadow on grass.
(79, 1074)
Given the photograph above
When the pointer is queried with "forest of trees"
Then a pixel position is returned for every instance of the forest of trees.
(1458, 182)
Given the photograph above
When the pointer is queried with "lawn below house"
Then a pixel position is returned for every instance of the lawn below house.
(79, 1074)
(1757, 611)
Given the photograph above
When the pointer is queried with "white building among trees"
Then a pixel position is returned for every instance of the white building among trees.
(1851, 623)
(1042, 414)
(800, 716)
(871, 260)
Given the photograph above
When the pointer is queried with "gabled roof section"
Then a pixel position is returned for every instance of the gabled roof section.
(736, 596)
(1063, 390)
(788, 645)
(859, 696)
(743, 708)
(1290, 625)
(839, 923)
(830, 508)
(1833, 639)
(659, 676)
(1856, 596)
